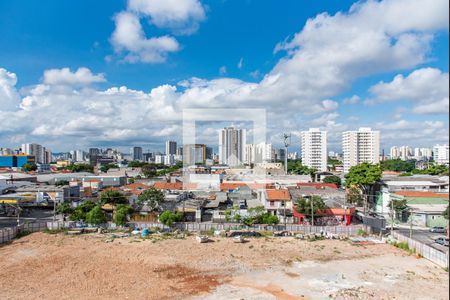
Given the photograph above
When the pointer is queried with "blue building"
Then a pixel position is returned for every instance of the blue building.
(15, 161)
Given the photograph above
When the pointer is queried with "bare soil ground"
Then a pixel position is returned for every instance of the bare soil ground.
(58, 266)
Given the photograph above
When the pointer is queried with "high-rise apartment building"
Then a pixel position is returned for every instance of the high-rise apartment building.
(232, 143)
(258, 153)
(194, 154)
(440, 154)
(360, 146)
(137, 153)
(314, 149)
(171, 147)
(40, 153)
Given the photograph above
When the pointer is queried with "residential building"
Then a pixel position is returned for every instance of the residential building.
(314, 149)
(171, 147)
(179, 151)
(293, 155)
(40, 153)
(259, 153)
(169, 159)
(401, 152)
(209, 153)
(360, 146)
(6, 151)
(232, 143)
(279, 154)
(93, 154)
(423, 153)
(440, 154)
(159, 159)
(278, 202)
(137, 153)
(194, 154)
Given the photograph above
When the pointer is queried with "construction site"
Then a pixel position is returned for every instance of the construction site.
(63, 265)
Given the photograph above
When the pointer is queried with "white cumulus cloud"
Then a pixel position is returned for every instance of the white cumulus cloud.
(130, 40)
(64, 76)
(427, 88)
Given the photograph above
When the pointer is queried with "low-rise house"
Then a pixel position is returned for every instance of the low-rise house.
(327, 217)
(390, 185)
(278, 202)
(425, 208)
(338, 212)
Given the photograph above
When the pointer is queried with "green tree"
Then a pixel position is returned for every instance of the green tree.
(113, 197)
(29, 167)
(332, 162)
(445, 213)
(106, 167)
(333, 179)
(121, 214)
(270, 219)
(136, 164)
(168, 218)
(75, 168)
(354, 196)
(363, 177)
(398, 165)
(303, 205)
(61, 183)
(64, 208)
(79, 213)
(149, 170)
(96, 216)
(151, 197)
(296, 167)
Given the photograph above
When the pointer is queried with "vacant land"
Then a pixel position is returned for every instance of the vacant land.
(57, 266)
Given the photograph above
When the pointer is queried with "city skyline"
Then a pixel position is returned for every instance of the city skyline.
(100, 90)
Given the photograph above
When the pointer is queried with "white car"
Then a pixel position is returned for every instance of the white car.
(438, 229)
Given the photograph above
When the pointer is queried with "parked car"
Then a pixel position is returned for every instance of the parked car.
(438, 229)
(442, 241)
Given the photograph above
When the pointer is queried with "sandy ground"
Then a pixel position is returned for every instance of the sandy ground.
(57, 266)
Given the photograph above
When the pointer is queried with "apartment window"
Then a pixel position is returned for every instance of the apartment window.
(272, 203)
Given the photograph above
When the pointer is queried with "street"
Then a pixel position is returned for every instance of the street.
(33, 216)
(424, 236)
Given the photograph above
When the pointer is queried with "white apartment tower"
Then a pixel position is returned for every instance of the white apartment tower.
(232, 143)
(40, 153)
(314, 149)
(360, 146)
(258, 153)
(440, 154)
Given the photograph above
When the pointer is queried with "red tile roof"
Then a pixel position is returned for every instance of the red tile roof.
(168, 185)
(318, 185)
(230, 186)
(278, 195)
(420, 194)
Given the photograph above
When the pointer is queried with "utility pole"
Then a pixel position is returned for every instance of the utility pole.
(312, 211)
(287, 142)
(392, 216)
(410, 224)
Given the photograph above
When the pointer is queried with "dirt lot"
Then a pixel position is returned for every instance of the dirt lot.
(57, 266)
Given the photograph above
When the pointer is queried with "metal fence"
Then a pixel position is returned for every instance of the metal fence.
(343, 230)
(438, 257)
(9, 233)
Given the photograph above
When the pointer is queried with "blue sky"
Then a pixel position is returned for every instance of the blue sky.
(282, 63)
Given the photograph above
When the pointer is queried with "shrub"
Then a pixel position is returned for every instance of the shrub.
(121, 213)
(168, 218)
(95, 216)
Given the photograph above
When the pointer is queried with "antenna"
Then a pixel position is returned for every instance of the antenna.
(287, 142)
